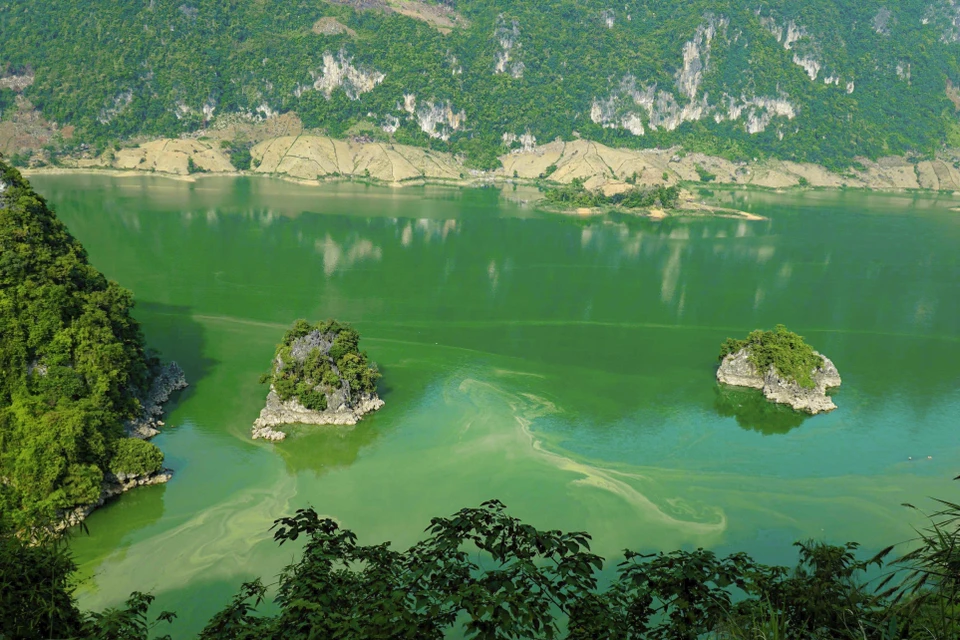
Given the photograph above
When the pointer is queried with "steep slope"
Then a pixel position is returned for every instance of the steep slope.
(73, 368)
(817, 80)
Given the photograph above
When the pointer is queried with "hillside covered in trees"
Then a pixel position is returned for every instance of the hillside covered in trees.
(73, 367)
(817, 80)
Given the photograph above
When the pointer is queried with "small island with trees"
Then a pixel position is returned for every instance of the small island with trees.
(785, 367)
(319, 376)
(652, 201)
(575, 195)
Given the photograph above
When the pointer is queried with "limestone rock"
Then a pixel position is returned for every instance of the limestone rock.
(277, 412)
(113, 486)
(737, 370)
(169, 378)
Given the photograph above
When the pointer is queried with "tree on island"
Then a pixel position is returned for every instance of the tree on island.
(791, 357)
(334, 360)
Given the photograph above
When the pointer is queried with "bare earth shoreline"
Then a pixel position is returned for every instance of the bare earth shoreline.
(316, 159)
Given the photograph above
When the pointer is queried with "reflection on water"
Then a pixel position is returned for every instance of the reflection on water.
(565, 366)
(754, 412)
(321, 449)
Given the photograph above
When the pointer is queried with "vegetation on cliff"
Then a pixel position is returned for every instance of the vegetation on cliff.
(314, 360)
(818, 80)
(494, 577)
(791, 357)
(72, 364)
(576, 194)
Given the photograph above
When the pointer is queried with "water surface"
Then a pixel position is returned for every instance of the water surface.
(563, 366)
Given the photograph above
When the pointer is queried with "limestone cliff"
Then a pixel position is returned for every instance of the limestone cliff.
(169, 378)
(736, 369)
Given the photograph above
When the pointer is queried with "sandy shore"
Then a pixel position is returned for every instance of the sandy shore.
(701, 208)
(113, 173)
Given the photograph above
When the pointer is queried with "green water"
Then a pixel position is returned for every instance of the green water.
(564, 367)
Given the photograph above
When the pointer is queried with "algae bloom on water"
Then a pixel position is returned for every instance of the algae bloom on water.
(786, 368)
(319, 376)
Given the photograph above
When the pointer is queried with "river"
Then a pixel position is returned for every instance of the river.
(563, 366)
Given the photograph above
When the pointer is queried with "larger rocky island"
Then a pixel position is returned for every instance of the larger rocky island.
(783, 366)
(319, 377)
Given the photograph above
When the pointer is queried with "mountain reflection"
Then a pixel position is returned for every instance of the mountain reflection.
(876, 291)
(347, 254)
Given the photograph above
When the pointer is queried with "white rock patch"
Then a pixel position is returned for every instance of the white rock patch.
(340, 72)
(508, 36)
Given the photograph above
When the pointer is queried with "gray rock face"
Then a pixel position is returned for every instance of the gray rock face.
(170, 378)
(737, 370)
(341, 409)
(113, 486)
(277, 413)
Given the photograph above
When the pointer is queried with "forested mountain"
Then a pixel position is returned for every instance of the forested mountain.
(72, 367)
(817, 80)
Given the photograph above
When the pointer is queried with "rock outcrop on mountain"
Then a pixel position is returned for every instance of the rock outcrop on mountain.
(113, 486)
(477, 80)
(167, 379)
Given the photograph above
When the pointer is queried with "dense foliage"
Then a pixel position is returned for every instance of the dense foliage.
(334, 363)
(135, 457)
(874, 81)
(495, 577)
(37, 583)
(576, 194)
(791, 357)
(72, 362)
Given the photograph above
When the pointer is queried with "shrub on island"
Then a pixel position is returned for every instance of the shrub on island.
(791, 357)
(576, 195)
(335, 358)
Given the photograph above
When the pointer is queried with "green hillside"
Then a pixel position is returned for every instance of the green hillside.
(818, 80)
(71, 363)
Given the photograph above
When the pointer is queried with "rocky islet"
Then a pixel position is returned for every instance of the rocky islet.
(344, 405)
(738, 370)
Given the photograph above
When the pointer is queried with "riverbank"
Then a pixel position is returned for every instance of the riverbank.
(168, 379)
(290, 153)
